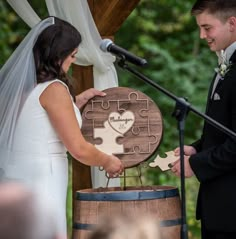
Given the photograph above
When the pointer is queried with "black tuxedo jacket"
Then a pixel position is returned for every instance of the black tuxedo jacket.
(215, 162)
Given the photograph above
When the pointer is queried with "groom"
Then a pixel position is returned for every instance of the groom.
(212, 159)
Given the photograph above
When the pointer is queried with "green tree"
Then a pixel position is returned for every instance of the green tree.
(11, 32)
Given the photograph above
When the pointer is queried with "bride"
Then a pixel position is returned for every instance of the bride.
(40, 118)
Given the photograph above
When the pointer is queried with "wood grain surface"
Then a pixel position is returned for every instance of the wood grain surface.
(126, 123)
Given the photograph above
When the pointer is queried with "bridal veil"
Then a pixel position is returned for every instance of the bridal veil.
(17, 79)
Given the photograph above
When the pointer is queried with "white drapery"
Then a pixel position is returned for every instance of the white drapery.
(77, 12)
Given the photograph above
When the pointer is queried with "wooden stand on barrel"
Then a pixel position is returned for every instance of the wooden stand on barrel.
(128, 124)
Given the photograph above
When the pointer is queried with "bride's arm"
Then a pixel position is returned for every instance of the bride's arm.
(57, 102)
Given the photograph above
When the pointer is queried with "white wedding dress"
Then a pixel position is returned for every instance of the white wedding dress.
(39, 158)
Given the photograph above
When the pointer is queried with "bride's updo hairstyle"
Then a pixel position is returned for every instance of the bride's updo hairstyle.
(52, 47)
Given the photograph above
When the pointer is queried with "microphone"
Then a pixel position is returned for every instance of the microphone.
(108, 46)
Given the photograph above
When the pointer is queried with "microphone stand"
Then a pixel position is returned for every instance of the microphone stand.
(181, 110)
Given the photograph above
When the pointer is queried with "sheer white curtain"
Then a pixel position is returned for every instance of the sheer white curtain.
(77, 12)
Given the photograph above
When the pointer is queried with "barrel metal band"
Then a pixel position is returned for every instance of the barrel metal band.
(127, 196)
(164, 223)
(170, 223)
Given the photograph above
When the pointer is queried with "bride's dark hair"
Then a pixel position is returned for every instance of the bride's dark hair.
(52, 47)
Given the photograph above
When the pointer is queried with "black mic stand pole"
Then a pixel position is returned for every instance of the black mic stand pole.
(181, 110)
(180, 113)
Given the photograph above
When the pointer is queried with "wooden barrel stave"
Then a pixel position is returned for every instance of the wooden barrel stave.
(162, 202)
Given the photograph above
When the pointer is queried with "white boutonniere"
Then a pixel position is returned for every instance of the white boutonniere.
(224, 65)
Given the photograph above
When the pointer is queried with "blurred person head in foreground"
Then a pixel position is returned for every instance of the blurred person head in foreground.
(23, 216)
(126, 226)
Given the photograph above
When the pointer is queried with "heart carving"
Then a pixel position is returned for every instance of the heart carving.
(121, 122)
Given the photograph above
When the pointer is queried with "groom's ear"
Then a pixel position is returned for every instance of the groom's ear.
(232, 24)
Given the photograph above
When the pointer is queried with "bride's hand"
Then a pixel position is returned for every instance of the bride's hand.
(86, 95)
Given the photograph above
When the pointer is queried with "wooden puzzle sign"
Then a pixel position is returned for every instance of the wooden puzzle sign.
(125, 122)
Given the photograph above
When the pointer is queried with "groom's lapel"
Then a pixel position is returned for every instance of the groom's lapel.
(233, 58)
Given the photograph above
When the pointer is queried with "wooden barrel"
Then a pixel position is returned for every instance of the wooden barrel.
(162, 202)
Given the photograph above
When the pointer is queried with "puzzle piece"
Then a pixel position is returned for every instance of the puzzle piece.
(100, 104)
(121, 123)
(135, 101)
(163, 163)
(109, 139)
(136, 145)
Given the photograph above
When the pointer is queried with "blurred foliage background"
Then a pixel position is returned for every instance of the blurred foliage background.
(164, 33)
